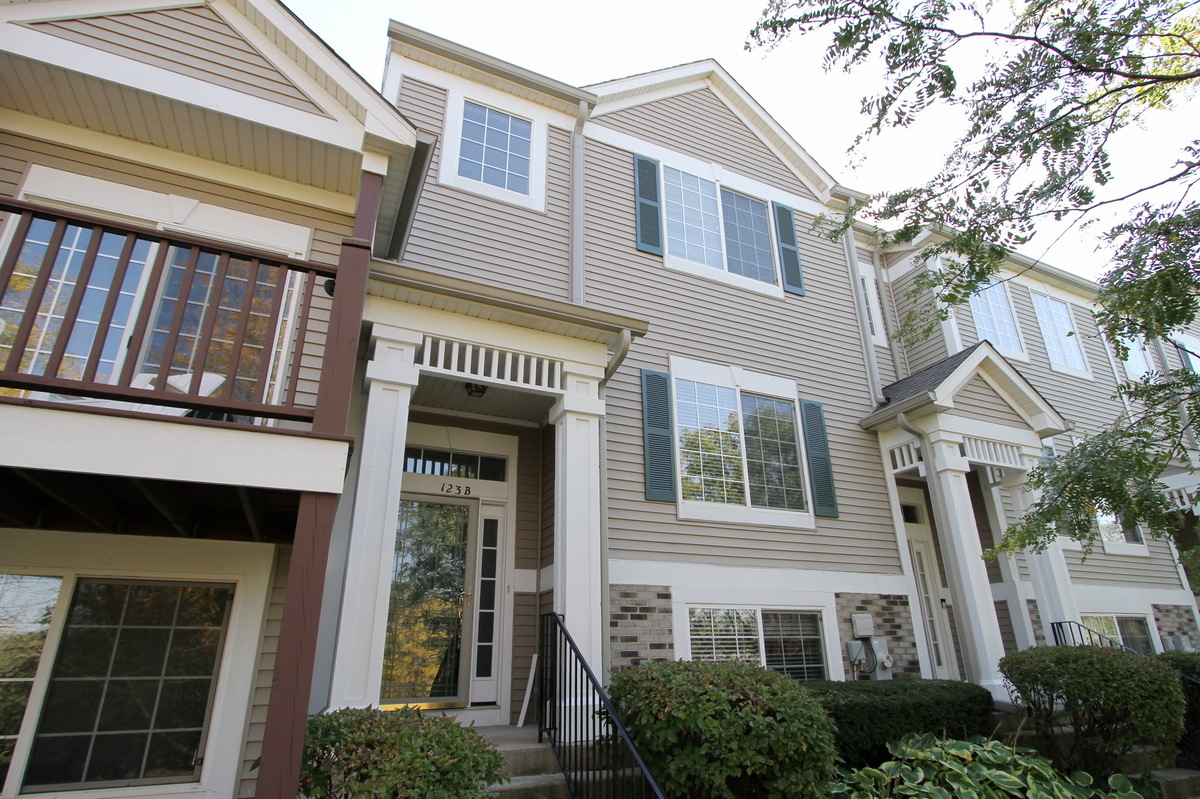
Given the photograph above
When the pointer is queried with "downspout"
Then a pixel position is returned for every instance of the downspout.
(576, 244)
(860, 310)
(614, 363)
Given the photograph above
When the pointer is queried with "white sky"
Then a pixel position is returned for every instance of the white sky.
(583, 43)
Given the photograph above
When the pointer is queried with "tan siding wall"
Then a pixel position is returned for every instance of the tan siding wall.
(1158, 569)
(699, 124)
(983, 525)
(821, 350)
(929, 350)
(525, 633)
(979, 400)
(472, 237)
(266, 672)
(1008, 636)
(548, 475)
(190, 41)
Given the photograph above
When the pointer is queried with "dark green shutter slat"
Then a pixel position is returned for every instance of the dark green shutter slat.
(649, 205)
(789, 252)
(658, 436)
(820, 465)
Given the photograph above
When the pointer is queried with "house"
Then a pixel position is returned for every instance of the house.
(512, 347)
(182, 188)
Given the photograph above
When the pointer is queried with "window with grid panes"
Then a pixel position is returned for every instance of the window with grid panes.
(786, 641)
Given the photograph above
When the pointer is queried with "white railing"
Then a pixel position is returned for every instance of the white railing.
(490, 364)
(986, 451)
(905, 457)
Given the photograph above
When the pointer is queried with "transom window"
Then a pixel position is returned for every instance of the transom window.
(994, 320)
(738, 448)
(711, 225)
(496, 148)
(784, 640)
(1058, 332)
(446, 463)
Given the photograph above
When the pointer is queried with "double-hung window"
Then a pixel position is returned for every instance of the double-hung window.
(994, 319)
(1058, 333)
(788, 641)
(727, 445)
(1137, 361)
(707, 228)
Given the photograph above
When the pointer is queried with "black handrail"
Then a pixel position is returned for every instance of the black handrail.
(1072, 633)
(593, 748)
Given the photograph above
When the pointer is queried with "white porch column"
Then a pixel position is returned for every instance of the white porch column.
(578, 593)
(1049, 574)
(391, 377)
(974, 611)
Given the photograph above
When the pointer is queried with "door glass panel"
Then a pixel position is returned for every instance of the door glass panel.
(422, 654)
(130, 695)
(26, 603)
(927, 600)
(485, 628)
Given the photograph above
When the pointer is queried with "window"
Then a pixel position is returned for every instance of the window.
(1112, 531)
(1137, 362)
(1058, 332)
(787, 641)
(129, 696)
(696, 221)
(994, 320)
(1132, 632)
(496, 148)
(1188, 348)
(726, 444)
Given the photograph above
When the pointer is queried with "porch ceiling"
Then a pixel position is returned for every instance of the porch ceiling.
(442, 394)
(35, 499)
(54, 93)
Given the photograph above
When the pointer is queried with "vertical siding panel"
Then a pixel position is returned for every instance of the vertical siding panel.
(257, 719)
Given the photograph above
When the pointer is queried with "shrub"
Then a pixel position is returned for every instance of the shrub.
(1113, 699)
(727, 730)
(1188, 664)
(398, 754)
(869, 714)
(939, 769)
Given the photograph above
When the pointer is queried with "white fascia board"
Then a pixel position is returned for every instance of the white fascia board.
(92, 443)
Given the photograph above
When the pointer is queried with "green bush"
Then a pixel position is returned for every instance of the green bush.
(925, 766)
(1114, 700)
(1188, 664)
(398, 754)
(869, 714)
(727, 730)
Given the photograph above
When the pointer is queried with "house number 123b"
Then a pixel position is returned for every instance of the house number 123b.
(452, 488)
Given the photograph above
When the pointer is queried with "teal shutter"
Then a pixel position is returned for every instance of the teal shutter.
(658, 436)
(789, 252)
(649, 205)
(820, 465)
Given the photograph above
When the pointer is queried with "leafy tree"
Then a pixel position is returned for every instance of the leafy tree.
(1050, 83)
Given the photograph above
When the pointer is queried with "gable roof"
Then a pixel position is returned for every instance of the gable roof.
(622, 93)
(933, 389)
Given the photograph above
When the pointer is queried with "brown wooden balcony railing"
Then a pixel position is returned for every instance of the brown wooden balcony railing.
(131, 318)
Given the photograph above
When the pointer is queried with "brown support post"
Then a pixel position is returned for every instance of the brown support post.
(287, 711)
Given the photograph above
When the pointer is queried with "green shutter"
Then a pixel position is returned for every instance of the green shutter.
(820, 465)
(789, 252)
(649, 205)
(658, 436)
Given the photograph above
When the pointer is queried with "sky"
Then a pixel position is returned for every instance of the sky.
(584, 43)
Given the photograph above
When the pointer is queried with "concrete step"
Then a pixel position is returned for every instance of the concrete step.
(534, 786)
(533, 769)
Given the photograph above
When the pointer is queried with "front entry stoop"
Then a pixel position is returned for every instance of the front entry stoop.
(532, 767)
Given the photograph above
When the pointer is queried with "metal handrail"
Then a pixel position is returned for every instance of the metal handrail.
(594, 750)
(1072, 633)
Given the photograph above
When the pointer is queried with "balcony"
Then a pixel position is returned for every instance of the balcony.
(131, 320)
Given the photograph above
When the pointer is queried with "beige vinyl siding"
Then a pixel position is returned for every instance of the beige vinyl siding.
(469, 236)
(1010, 515)
(328, 227)
(930, 349)
(524, 645)
(883, 354)
(812, 339)
(979, 400)
(195, 42)
(257, 720)
(1155, 569)
(699, 124)
(983, 525)
(548, 474)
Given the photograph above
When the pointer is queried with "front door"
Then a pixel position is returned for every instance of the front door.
(929, 583)
(448, 608)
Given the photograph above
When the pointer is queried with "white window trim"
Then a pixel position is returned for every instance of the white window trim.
(1139, 345)
(1086, 372)
(1016, 355)
(740, 379)
(830, 640)
(451, 137)
(870, 284)
(247, 566)
(724, 179)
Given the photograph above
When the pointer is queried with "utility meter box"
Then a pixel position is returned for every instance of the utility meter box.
(863, 625)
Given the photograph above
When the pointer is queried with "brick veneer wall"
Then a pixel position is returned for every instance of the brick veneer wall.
(1176, 620)
(640, 624)
(893, 621)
